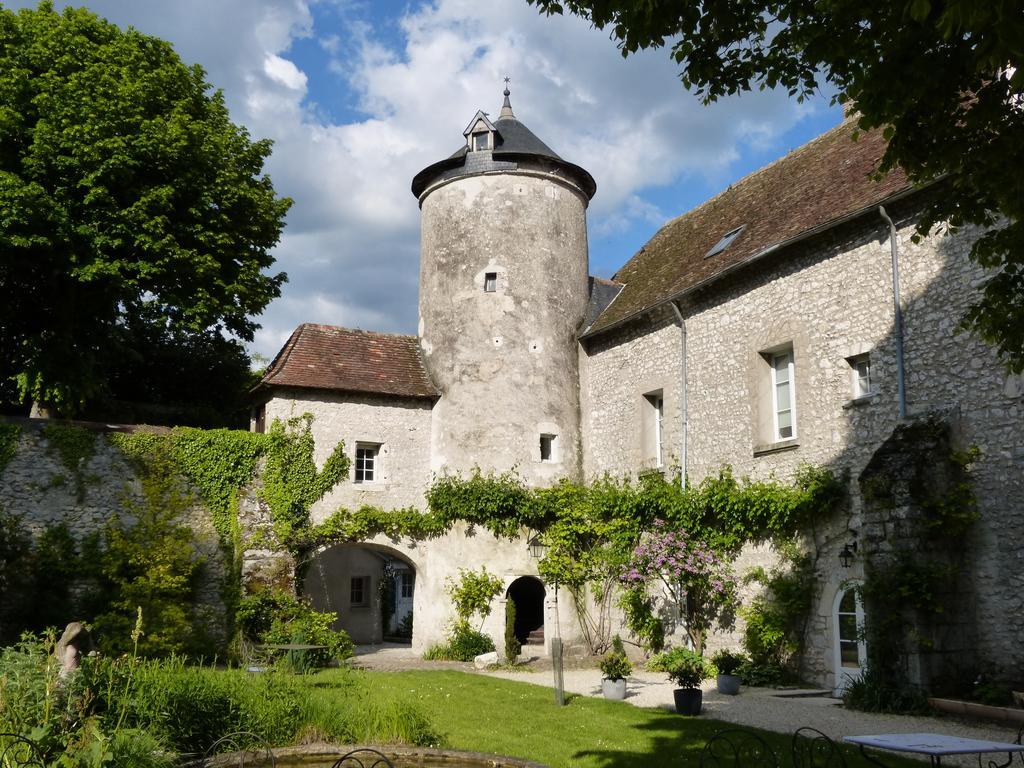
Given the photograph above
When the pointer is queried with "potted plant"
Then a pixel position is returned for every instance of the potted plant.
(615, 668)
(727, 662)
(687, 670)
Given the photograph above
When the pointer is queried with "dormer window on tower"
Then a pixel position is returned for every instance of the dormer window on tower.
(479, 133)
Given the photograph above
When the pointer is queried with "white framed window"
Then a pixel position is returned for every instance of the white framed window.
(783, 395)
(408, 584)
(850, 647)
(547, 447)
(359, 591)
(860, 374)
(481, 141)
(367, 463)
(490, 282)
(653, 426)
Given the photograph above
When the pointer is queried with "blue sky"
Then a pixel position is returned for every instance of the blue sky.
(359, 95)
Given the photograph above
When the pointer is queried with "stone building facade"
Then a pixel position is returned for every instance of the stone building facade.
(758, 331)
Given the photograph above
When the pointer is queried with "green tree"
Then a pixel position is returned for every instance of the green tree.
(126, 194)
(942, 78)
(209, 386)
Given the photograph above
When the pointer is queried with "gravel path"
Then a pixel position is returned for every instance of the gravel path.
(766, 708)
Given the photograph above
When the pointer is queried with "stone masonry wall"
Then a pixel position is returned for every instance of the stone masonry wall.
(831, 299)
(504, 359)
(401, 426)
(622, 366)
(38, 488)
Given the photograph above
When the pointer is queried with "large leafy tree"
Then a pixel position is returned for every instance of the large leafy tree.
(942, 78)
(127, 195)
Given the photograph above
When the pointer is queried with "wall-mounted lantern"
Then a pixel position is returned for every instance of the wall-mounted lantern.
(848, 553)
(537, 547)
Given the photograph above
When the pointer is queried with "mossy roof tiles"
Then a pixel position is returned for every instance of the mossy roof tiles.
(344, 359)
(822, 183)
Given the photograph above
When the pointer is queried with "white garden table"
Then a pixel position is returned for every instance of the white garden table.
(935, 745)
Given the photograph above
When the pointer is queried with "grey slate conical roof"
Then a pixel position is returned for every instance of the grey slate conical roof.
(513, 143)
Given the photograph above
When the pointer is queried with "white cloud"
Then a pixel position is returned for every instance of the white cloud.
(351, 246)
(284, 72)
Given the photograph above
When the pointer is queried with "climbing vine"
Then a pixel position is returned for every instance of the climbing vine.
(74, 446)
(9, 434)
(222, 462)
(589, 530)
(291, 481)
(922, 490)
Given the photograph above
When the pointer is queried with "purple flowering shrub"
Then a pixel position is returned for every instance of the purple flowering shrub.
(697, 580)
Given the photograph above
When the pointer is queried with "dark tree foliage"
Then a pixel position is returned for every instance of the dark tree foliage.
(165, 375)
(127, 196)
(942, 78)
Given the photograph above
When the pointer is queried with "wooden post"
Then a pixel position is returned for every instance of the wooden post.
(556, 663)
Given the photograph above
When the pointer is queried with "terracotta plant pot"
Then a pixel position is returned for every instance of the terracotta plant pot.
(728, 684)
(614, 689)
(688, 700)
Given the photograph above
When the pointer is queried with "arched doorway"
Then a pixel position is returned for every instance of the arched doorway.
(848, 632)
(369, 587)
(528, 594)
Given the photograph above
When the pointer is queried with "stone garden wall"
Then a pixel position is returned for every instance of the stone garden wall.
(88, 486)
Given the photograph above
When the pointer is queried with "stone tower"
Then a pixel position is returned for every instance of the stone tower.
(503, 291)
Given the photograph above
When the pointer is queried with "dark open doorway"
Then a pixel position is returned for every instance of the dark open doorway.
(528, 594)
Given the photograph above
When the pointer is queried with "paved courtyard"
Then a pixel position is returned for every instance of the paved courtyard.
(771, 709)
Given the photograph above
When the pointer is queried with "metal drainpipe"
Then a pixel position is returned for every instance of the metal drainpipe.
(901, 387)
(682, 394)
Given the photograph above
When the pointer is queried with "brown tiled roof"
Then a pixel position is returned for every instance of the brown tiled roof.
(820, 184)
(328, 357)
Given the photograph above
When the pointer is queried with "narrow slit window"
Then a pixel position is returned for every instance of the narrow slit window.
(547, 447)
(358, 590)
(490, 282)
(783, 396)
(652, 423)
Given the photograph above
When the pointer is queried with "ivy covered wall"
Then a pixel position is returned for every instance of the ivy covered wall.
(99, 522)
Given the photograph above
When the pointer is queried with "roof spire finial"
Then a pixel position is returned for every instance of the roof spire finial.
(506, 108)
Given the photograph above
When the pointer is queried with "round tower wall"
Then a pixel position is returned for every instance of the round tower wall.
(506, 359)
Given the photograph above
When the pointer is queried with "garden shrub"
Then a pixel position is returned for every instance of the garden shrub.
(877, 693)
(684, 667)
(277, 617)
(763, 675)
(615, 665)
(776, 620)
(512, 645)
(464, 644)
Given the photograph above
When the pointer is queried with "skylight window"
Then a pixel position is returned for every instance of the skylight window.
(725, 242)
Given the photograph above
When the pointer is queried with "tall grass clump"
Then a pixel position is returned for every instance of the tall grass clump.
(357, 715)
(132, 713)
(67, 717)
(191, 707)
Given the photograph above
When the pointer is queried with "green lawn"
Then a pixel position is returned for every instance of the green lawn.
(486, 714)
